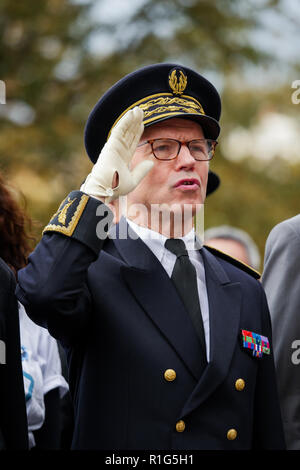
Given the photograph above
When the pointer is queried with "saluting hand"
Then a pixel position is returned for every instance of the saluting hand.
(114, 159)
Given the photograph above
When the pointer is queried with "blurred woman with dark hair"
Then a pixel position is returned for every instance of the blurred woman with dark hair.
(43, 383)
(14, 224)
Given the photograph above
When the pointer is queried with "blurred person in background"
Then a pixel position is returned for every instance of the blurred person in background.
(235, 242)
(41, 364)
(13, 421)
(281, 281)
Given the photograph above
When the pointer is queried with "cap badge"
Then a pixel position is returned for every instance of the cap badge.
(177, 81)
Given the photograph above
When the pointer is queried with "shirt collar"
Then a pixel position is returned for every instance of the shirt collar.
(156, 241)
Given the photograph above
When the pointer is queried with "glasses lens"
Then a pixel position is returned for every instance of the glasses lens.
(202, 149)
(165, 149)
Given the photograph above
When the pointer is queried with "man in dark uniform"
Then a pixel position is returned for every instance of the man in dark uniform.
(169, 343)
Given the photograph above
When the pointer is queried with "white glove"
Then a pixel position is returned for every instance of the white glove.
(115, 157)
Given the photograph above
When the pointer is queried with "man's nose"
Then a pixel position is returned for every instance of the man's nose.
(184, 158)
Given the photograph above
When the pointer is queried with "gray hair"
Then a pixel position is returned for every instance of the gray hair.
(232, 233)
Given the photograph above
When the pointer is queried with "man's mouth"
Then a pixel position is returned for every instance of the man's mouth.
(188, 184)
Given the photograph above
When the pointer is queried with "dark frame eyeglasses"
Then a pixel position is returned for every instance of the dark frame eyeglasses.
(168, 149)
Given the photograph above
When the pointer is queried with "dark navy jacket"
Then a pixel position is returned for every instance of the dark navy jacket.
(119, 315)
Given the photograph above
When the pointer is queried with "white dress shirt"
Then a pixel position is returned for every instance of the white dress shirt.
(41, 366)
(156, 243)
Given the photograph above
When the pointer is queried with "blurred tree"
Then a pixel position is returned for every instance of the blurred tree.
(38, 123)
(210, 35)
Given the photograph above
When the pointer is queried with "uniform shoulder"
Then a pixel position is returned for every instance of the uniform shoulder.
(235, 262)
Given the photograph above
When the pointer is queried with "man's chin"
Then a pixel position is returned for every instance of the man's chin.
(188, 204)
(184, 210)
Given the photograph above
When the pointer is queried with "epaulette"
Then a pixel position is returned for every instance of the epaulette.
(239, 264)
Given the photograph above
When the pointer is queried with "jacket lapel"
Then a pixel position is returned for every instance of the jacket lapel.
(151, 286)
(224, 299)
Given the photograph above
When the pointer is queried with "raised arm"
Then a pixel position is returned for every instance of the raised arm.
(54, 287)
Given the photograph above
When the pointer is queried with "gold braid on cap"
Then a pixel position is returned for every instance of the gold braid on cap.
(164, 105)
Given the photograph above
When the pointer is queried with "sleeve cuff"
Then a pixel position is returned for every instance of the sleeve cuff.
(84, 218)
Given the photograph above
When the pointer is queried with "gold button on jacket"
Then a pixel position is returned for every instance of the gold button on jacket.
(170, 375)
(240, 384)
(180, 426)
(231, 434)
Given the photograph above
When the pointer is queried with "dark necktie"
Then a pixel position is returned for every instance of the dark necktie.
(185, 279)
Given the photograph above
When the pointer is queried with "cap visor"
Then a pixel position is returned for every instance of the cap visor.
(209, 125)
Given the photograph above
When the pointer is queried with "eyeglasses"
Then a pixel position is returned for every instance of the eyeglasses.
(167, 149)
